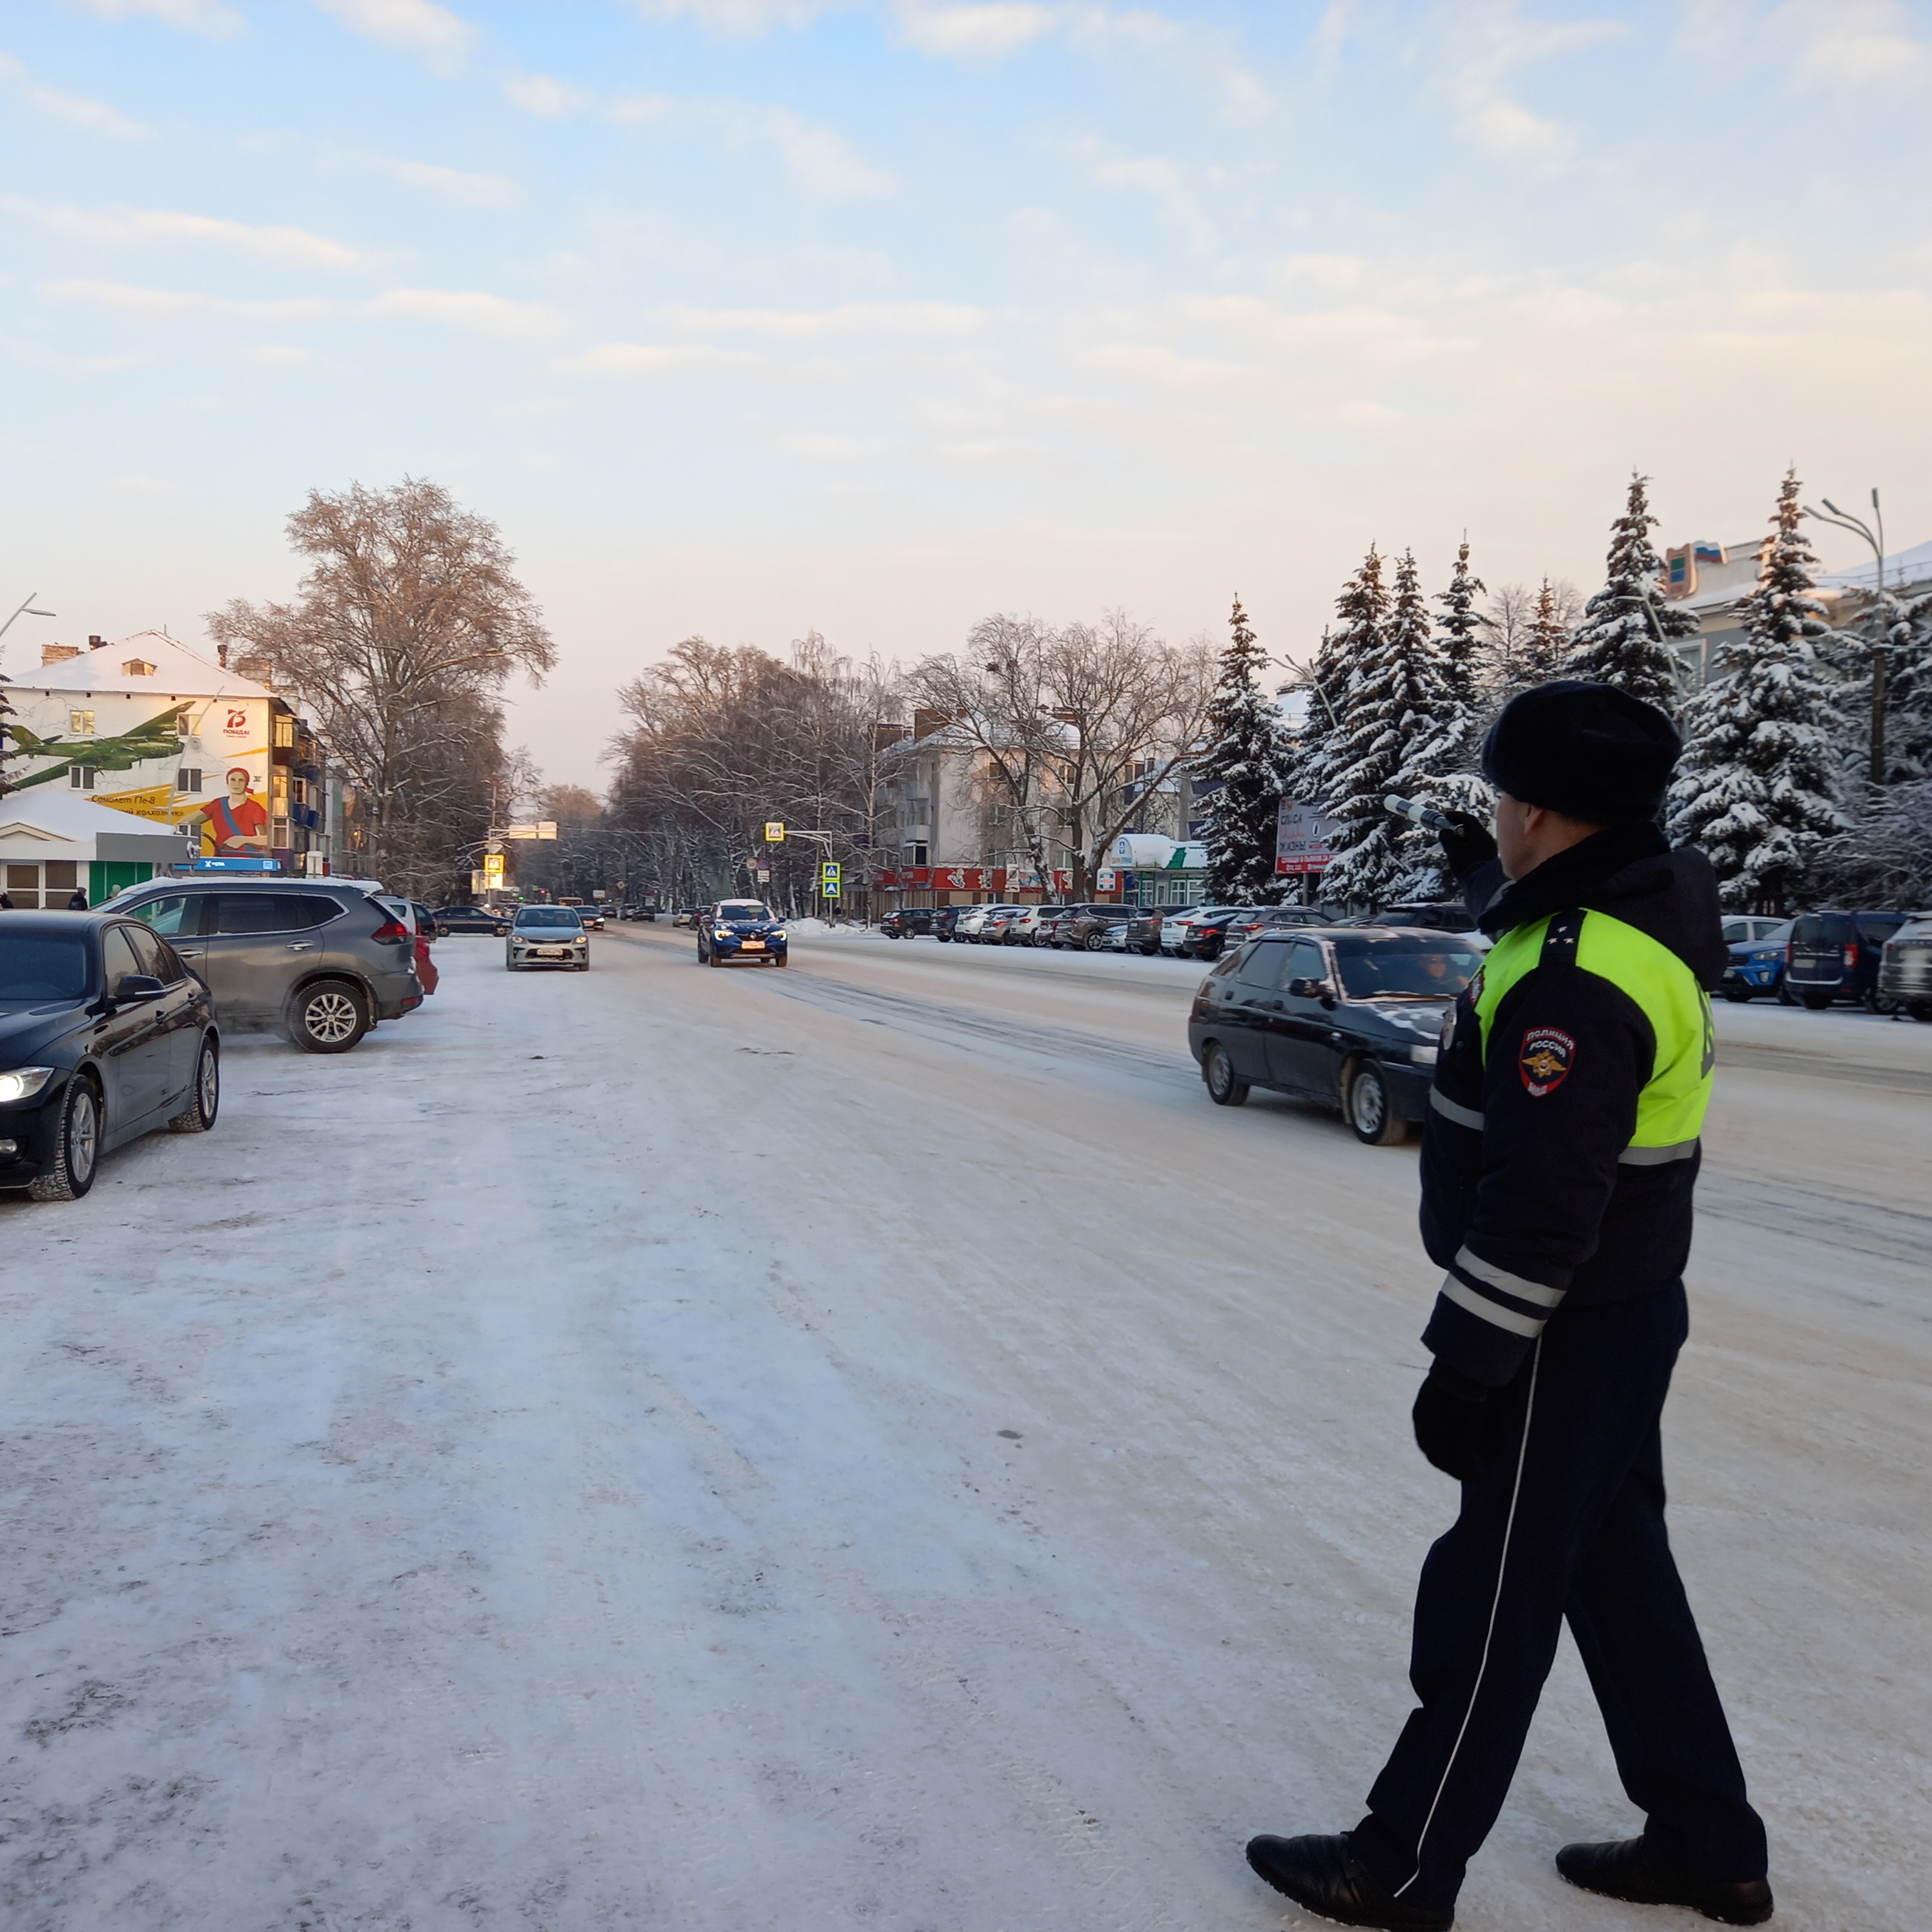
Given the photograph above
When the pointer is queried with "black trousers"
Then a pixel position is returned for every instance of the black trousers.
(1567, 1521)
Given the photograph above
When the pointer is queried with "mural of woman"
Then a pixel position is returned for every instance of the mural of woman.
(236, 826)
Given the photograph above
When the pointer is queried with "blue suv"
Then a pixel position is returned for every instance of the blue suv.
(740, 929)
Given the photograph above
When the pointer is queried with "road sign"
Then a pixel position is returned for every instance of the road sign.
(830, 873)
(830, 888)
(774, 832)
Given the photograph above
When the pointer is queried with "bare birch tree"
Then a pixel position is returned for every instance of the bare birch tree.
(410, 619)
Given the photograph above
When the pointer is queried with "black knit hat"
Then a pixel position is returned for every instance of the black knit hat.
(1588, 751)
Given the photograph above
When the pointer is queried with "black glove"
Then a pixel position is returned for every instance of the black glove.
(1467, 844)
(1451, 1418)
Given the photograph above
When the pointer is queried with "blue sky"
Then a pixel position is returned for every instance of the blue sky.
(751, 316)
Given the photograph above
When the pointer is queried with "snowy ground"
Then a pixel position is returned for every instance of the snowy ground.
(871, 1445)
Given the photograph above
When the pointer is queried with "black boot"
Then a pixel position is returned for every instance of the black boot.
(1625, 1870)
(1323, 1875)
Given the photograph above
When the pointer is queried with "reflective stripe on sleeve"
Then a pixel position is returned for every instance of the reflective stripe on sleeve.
(1510, 1284)
(1464, 1296)
(1657, 1156)
(1463, 1117)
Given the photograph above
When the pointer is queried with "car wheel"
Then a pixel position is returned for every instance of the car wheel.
(328, 1017)
(1786, 997)
(1877, 1002)
(1224, 1088)
(1097, 942)
(712, 959)
(1371, 1112)
(1816, 1003)
(583, 965)
(77, 1146)
(779, 959)
(204, 1100)
(1148, 952)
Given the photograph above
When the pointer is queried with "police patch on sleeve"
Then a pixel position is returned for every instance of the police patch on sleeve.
(1547, 1056)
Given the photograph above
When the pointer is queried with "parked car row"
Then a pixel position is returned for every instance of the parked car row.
(1874, 957)
(112, 1021)
(1181, 932)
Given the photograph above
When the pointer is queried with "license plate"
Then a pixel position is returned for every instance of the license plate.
(751, 945)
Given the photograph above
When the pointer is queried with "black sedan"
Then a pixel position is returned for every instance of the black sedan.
(104, 1036)
(1351, 1016)
(470, 919)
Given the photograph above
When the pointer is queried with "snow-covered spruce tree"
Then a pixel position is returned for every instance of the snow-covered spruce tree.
(1624, 639)
(1459, 640)
(1246, 753)
(1908, 737)
(1546, 644)
(1758, 786)
(1389, 716)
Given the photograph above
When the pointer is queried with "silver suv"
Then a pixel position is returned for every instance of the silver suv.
(319, 961)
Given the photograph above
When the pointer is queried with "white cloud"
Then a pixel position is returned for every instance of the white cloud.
(539, 94)
(409, 26)
(283, 355)
(294, 246)
(646, 359)
(193, 16)
(985, 31)
(71, 110)
(475, 311)
(1855, 43)
(1483, 42)
(469, 309)
(1160, 181)
(925, 319)
(450, 185)
(738, 20)
(822, 161)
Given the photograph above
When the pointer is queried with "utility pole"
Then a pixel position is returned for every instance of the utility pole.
(1875, 537)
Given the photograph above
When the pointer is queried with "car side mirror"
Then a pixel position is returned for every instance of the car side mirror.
(1304, 989)
(131, 986)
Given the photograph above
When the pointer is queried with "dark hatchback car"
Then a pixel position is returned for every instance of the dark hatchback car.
(1351, 1016)
(1143, 928)
(470, 919)
(1246, 925)
(105, 1036)
(946, 922)
(1836, 955)
(908, 922)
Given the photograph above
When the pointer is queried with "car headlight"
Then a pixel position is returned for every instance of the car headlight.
(778, 938)
(580, 940)
(24, 1082)
(721, 933)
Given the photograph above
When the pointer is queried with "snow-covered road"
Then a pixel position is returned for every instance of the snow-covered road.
(872, 1445)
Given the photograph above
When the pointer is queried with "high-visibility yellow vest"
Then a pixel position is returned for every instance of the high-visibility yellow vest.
(1670, 1110)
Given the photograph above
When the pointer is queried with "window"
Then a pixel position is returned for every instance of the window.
(1822, 929)
(80, 777)
(80, 724)
(117, 956)
(36, 966)
(156, 956)
(177, 916)
(63, 875)
(1418, 967)
(188, 778)
(1262, 965)
(137, 667)
(285, 731)
(310, 910)
(237, 913)
(1305, 961)
(23, 887)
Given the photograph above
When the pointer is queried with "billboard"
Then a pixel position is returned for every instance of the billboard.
(1301, 837)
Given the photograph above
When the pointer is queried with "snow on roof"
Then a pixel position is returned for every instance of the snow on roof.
(1903, 567)
(176, 670)
(55, 812)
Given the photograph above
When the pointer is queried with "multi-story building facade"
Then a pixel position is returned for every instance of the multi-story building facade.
(1712, 579)
(150, 727)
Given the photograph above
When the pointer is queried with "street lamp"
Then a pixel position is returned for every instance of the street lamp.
(1859, 527)
(26, 610)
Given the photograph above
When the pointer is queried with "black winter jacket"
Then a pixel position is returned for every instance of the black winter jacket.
(1524, 1201)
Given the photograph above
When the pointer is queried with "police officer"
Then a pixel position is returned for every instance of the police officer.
(1559, 1160)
